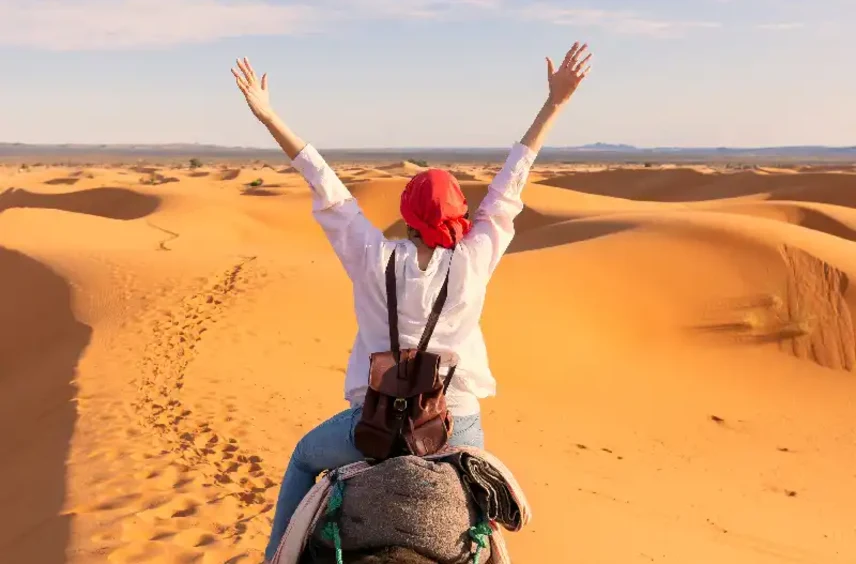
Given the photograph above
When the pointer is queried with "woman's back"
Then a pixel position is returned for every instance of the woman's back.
(364, 252)
(457, 336)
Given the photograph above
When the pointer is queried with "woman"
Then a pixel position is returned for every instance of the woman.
(435, 211)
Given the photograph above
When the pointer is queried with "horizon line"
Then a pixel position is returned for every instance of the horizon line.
(595, 145)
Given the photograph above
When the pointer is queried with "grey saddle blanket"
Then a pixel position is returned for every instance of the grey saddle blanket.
(427, 505)
(413, 503)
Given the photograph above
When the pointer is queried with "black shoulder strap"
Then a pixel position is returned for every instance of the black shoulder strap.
(392, 306)
(435, 311)
(449, 376)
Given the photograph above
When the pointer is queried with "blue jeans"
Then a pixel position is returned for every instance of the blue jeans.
(330, 445)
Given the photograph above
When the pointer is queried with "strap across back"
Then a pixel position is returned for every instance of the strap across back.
(433, 318)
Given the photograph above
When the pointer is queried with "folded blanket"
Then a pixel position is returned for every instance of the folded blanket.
(488, 488)
(512, 511)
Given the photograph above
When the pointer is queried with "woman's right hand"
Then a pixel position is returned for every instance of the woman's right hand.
(254, 90)
(564, 81)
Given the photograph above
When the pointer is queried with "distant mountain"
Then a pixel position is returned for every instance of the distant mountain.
(782, 150)
(7, 148)
(601, 152)
(605, 147)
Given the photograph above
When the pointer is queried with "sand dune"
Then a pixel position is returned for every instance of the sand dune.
(471, 174)
(117, 203)
(834, 220)
(246, 177)
(690, 185)
(674, 349)
(370, 173)
(404, 168)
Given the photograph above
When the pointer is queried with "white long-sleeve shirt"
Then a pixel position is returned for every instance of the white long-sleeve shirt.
(364, 252)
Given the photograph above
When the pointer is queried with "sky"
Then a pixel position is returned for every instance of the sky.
(429, 73)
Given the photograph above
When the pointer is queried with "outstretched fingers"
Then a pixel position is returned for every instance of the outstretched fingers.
(570, 55)
(573, 55)
(250, 68)
(241, 81)
(582, 67)
(246, 70)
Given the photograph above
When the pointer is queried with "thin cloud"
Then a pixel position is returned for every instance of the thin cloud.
(145, 24)
(410, 9)
(787, 26)
(118, 24)
(623, 22)
(65, 25)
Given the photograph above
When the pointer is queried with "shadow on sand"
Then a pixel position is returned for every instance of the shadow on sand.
(528, 220)
(41, 343)
(818, 221)
(113, 203)
(539, 231)
(567, 232)
(257, 191)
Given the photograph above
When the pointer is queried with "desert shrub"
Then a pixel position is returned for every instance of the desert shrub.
(151, 179)
(418, 162)
(156, 179)
(195, 163)
(257, 182)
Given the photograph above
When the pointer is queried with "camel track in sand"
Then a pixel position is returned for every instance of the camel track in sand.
(213, 457)
(176, 333)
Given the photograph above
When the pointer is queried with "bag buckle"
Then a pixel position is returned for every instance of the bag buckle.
(400, 404)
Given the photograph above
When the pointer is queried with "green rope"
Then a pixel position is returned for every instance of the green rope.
(331, 528)
(480, 534)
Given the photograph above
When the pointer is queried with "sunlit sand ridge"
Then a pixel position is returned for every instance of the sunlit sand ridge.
(674, 349)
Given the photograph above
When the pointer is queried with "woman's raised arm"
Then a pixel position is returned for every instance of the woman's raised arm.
(258, 99)
(563, 82)
(493, 225)
(335, 209)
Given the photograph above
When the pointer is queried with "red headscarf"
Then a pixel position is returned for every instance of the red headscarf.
(433, 204)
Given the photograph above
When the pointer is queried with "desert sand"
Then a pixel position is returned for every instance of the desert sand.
(674, 348)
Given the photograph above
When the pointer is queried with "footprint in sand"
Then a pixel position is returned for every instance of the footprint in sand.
(189, 454)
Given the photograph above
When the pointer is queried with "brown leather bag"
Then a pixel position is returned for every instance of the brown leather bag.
(405, 407)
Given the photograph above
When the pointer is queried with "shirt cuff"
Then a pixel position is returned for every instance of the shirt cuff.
(327, 188)
(308, 160)
(520, 153)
